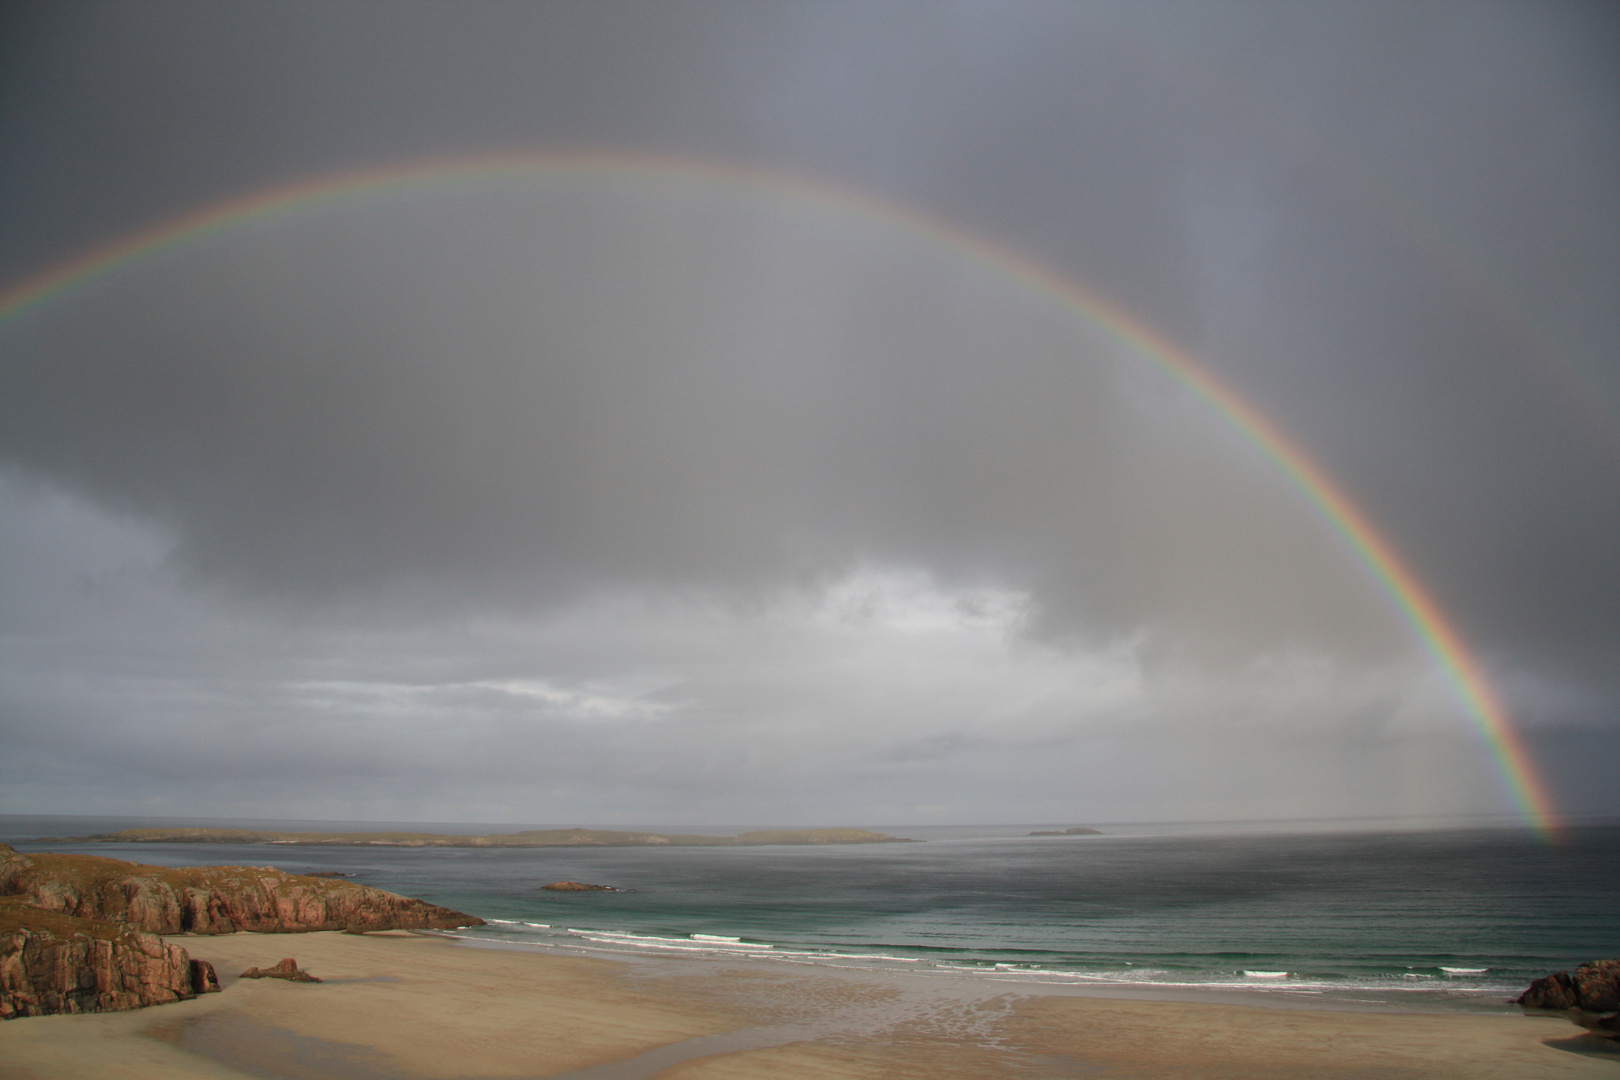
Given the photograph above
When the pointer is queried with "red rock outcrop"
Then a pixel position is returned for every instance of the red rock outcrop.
(1555, 991)
(53, 963)
(1597, 986)
(78, 932)
(1594, 988)
(287, 969)
(1591, 996)
(211, 899)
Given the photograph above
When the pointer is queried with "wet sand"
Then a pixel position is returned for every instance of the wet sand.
(404, 1005)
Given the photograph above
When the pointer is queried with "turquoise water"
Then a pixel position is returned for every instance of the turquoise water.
(1453, 919)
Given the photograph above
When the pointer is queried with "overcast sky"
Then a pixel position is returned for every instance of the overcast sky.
(641, 496)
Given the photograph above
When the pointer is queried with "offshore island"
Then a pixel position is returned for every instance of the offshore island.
(530, 838)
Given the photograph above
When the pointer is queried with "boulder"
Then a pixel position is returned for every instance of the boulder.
(1591, 996)
(1555, 991)
(286, 969)
(203, 978)
(1594, 988)
(1597, 986)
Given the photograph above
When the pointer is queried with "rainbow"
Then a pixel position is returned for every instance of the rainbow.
(1418, 609)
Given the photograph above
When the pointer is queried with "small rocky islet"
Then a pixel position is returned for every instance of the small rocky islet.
(578, 886)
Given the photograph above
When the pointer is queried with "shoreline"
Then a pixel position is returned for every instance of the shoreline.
(399, 1004)
(1418, 1001)
(1457, 998)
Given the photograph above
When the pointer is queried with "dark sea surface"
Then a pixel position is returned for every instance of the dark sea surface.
(1454, 919)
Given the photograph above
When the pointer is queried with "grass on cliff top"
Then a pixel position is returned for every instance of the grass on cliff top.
(17, 915)
(85, 873)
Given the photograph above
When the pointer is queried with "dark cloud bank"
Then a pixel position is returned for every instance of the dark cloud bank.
(647, 498)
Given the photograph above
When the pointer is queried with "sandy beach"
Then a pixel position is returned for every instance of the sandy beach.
(400, 1005)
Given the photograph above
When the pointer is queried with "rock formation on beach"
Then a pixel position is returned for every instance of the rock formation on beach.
(55, 963)
(78, 933)
(524, 839)
(1591, 996)
(210, 899)
(287, 969)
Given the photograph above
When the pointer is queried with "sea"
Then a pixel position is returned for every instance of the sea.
(1459, 918)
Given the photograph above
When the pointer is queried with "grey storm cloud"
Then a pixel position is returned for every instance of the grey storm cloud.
(656, 381)
(665, 495)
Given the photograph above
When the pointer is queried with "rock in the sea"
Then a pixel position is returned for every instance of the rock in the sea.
(577, 886)
(210, 899)
(55, 963)
(287, 969)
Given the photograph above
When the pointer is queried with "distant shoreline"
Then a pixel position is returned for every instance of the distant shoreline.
(530, 838)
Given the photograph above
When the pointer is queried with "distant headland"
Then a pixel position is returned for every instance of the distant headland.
(1076, 830)
(531, 838)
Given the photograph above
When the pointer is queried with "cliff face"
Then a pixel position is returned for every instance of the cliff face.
(52, 963)
(78, 932)
(210, 899)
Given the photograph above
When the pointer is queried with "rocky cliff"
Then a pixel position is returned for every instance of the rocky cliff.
(210, 899)
(53, 963)
(78, 933)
